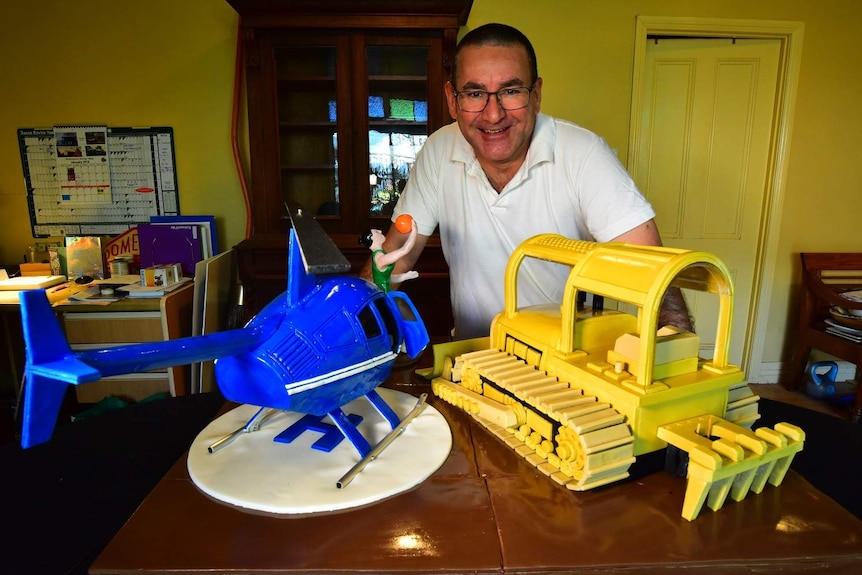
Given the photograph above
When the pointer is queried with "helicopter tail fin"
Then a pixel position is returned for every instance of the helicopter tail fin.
(51, 367)
(299, 280)
(310, 252)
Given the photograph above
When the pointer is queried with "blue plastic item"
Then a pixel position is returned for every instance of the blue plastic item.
(321, 344)
(820, 383)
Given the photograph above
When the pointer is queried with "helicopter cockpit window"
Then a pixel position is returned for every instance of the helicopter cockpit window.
(405, 310)
(336, 332)
(369, 323)
(388, 320)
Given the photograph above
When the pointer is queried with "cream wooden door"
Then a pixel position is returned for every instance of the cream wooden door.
(703, 159)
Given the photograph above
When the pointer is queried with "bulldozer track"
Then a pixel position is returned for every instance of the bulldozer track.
(569, 436)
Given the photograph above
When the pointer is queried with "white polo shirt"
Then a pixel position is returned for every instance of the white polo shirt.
(571, 183)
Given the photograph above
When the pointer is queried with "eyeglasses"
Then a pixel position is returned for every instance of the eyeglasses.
(509, 99)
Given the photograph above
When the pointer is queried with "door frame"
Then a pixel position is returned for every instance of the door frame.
(790, 34)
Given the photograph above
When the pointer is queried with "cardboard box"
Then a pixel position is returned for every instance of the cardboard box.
(161, 275)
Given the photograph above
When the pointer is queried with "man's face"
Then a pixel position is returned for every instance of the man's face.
(498, 137)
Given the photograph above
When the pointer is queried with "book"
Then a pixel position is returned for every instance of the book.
(845, 334)
(21, 283)
(170, 243)
(99, 293)
(207, 224)
(118, 281)
(138, 290)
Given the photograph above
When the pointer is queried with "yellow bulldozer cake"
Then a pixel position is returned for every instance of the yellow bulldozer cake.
(580, 391)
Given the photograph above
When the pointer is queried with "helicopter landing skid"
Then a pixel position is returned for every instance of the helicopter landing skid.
(253, 424)
(384, 443)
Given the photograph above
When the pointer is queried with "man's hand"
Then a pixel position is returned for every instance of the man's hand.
(674, 310)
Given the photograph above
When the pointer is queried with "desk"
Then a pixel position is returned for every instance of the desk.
(131, 320)
(12, 339)
(12, 347)
(487, 511)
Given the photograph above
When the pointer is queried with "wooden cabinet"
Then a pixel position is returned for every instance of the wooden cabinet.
(341, 96)
(822, 325)
(131, 321)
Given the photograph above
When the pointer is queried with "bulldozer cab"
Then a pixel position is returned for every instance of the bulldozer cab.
(638, 276)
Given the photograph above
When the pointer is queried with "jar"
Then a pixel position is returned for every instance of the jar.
(119, 266)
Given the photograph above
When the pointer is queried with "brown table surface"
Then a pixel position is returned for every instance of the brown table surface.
(487, 511)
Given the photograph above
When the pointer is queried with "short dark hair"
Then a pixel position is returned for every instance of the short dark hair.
(496, 35)
(366, 239)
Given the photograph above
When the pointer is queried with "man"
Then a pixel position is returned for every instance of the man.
(504, 173)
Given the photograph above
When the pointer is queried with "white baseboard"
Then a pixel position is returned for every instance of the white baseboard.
(770, 371)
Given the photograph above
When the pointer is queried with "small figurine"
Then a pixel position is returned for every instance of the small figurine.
(383, 263)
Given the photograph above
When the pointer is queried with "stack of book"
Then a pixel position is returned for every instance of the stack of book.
(103, 292)
(21, 283)
(99, 294)
(139, 290)
(10, 287)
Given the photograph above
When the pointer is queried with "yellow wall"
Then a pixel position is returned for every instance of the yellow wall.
(123, 63)
(171, 63)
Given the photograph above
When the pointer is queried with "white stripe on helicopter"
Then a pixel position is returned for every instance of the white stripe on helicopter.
(339, 374)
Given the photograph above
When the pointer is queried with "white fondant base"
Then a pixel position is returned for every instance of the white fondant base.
(255, 472)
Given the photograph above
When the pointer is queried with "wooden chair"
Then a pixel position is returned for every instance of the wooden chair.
(824, 277)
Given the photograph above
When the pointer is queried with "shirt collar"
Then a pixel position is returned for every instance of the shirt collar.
(542, 146)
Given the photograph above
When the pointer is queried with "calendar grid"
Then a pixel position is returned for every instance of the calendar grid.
(143, 183)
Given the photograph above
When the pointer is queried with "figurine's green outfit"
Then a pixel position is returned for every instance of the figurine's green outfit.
(381, 277)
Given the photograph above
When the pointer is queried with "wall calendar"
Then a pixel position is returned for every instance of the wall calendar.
(97, 180)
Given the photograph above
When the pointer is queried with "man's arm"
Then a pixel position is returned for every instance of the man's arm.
(391, 256)
(645, 234)
(673, 311)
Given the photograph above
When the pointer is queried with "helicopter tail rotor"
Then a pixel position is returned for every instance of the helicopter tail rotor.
(51, 367)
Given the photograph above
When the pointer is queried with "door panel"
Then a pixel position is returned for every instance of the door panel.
(703, 158)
